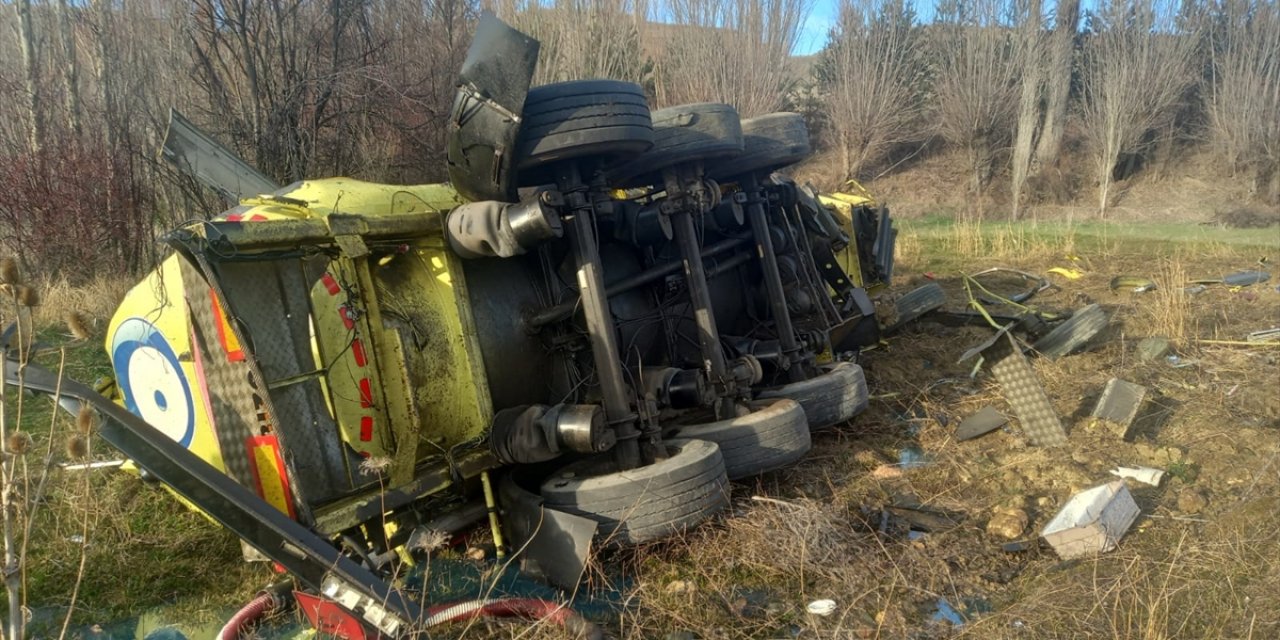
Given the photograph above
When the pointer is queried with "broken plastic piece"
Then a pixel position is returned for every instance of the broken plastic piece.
(823, 607)
(1070, 274)
(985, 421)
(1145, 475)
(947, 613)
(1093, 521)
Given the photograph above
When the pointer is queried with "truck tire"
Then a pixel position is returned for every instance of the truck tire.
(834, 397)
(646, 503)
(1074, 333)
(774, 435)
(770, 142)
(917, 303)
(683, 134)
(568, 120)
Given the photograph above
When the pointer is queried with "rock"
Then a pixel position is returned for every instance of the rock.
(680, 587)
(1191, 500)
(476, 553)
(1153, 348)
(1008, 523)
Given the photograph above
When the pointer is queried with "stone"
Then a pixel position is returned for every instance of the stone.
(1191, 500)
(680, 587)
(1008, 523)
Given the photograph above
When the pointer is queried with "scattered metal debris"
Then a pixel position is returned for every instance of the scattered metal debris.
(1136, 284)
(1038, 284)
(1245, 278)
(1120, 403)
(1153, 348)
(1093, 521)
(985, 421)
(1021, 388)
(1145, 475)
(1265, 335)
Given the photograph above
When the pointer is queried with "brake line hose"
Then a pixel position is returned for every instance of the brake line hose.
(533, 609)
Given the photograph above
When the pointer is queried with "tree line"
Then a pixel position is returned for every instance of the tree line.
(363, 88)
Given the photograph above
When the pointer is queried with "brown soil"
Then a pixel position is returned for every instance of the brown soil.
(1201, 560)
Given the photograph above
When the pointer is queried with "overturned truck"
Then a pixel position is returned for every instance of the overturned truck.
(606, 316)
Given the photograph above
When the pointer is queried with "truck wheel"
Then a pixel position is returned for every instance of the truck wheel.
(646, 503)
(917, 303)
(1074, 333)
(834, 397)
(568, 120)
(770, 142)
(774, 435)
(683, 134)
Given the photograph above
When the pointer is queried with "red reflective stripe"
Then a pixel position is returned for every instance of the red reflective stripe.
(366, 395)
(330, 284)
(234, 217)
(366, 428)
(346, 318)
(357, 350)
(257, 217)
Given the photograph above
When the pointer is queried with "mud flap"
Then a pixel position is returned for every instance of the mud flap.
(552, 545)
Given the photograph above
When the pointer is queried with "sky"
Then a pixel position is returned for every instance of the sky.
(823, 15)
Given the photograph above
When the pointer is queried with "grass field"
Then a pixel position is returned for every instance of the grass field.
(1202, 560)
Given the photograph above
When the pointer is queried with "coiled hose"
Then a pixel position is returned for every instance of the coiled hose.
(269, 600)
(533, 609)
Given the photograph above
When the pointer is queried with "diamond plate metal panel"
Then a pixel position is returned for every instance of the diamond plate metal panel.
(1021, 387)
(227, 381)
(272, 301)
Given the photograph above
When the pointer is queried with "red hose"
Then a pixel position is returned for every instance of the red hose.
(532, 609)
(247, 615)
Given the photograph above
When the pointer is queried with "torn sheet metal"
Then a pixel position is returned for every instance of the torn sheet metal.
(1120, 402)
(985, 421)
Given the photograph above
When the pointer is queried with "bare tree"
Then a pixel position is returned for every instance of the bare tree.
(584, 39)
(1061, 46)
(976, 90)
(1244, 92)
(1030, 50)
(733, 51)
(1137, 66)
(872, 76)
(31, 73)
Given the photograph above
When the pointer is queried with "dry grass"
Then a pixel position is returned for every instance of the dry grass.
(95, 301)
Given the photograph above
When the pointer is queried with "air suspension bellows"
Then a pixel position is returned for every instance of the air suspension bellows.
(499, 229)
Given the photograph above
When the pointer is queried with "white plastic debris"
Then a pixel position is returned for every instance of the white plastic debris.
(1145, 475)
(822, 607)
(1093, 521)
